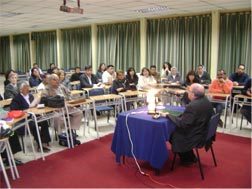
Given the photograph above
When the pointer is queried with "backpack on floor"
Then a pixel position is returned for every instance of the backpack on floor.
(63, 139)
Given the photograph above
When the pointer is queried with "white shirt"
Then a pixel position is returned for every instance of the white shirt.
(107, 77)
(144, 81)
(26, 97)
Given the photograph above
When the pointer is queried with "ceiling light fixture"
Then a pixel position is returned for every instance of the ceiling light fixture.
(156, 9)
(67, 9)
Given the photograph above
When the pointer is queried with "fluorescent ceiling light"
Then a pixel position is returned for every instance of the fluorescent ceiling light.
(156, 9)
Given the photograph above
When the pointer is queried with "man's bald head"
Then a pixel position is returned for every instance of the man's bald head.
(198, 90)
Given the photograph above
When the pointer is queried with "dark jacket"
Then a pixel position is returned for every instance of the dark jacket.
(34, 82)
(119, 84)
(75, 77)
(10, 91)
(19, 103)
(204, 79)
(191, 126)
(241, 79)
(174, 80)
(84, 82)
(132, 82)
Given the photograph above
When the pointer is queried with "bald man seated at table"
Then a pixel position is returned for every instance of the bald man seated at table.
(191, 126)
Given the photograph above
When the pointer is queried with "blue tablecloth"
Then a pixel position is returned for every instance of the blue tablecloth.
(149, 137)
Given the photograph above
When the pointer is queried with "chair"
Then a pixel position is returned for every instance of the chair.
(212, 127)
(100, 91)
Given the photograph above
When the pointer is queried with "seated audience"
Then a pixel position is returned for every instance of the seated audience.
(7, 81)
(239, 77)
(191, 127)
(101, 69)
(54, 88)
(63, 80)
(220, 85)
(246, 110)
(88, 79)
(35, 65)
(11, 90)
(146, 80)
(166, 70)
(119, 84)
(50, 70)
(76, 75)
(109, 75)
(174, 76)
(22, 101)
(132, 79)
(35, 78)
(202, 75)
(154, 73)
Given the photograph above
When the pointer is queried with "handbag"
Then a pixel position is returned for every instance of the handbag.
(16, 114)
(53, 101)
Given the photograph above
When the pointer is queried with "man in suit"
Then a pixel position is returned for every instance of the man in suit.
(191, 126)
(88, 79)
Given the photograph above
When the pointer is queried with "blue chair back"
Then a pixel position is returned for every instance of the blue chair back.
(212, 126)
(96, 92)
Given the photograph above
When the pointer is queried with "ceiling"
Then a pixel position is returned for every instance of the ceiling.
(20, 16)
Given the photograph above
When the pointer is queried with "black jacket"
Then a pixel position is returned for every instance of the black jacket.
(19, 103)
(132, 82)
(204, 79)
(75, 77)
(119, 84)
(84, 82)
(191, 126)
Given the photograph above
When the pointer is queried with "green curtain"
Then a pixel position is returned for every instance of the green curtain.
(22, 58)
(119, 45)
(235, 41)
(45, 48)
(185, 42)
(5, 56)
(76, 47)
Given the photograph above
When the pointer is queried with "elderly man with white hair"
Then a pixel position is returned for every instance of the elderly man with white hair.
(24, 100)
(191, 126)
(54, 88)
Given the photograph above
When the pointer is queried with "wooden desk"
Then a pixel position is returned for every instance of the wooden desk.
(105, 97)
(25, 122)
(76, 92)
(225, 100)
(44, 114)
(14, 121)
(133, 96)
(85, 107)
(107, 100)
(5, 102)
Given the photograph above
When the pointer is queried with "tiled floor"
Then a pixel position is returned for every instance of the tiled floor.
(106, 128)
